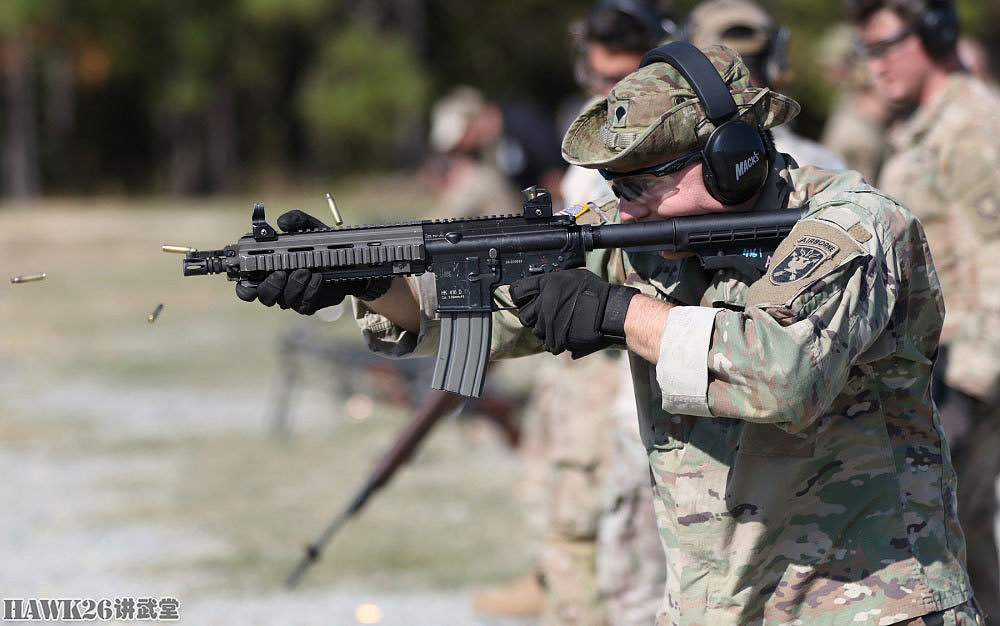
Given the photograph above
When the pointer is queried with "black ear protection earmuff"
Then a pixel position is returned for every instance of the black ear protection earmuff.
(658, 27)
(938, 28)
(736, 158)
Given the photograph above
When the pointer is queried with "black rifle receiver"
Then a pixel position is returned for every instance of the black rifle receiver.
(471, 257)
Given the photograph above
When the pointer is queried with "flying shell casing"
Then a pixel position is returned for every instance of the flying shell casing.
(27, 278)
(178, 249)
(333, 209)
(155, 314)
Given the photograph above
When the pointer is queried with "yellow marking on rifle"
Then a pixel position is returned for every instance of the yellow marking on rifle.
(155, 314)
(27, 278)
(178, 249)
(333, 209)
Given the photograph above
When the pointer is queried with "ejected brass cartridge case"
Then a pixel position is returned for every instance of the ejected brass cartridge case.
(155, 314)
(333, 209)
(178, 249)
(27, 278)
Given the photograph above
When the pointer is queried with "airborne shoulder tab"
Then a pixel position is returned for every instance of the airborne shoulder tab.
(814, 248)
(846, 219)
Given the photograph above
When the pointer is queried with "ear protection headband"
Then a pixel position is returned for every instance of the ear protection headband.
(655, 24)
(938, 28)
(736, 158)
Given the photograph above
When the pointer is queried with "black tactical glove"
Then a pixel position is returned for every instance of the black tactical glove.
(573, 310)
(304, 290)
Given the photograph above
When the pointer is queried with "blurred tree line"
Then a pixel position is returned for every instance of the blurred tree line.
(137, 96)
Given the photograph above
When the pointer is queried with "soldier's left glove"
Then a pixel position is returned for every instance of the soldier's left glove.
(573, 310)
(303, 290)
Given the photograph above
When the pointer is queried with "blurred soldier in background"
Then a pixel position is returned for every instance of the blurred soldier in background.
(600, 560)
(943, 164)
(467, 185)
(609, 534)
(975, 58)
(748, 29)
(608, 46)
(516, 138)
(855, 127)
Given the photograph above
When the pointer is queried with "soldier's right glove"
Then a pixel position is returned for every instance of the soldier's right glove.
(573, 310)
(303, 290)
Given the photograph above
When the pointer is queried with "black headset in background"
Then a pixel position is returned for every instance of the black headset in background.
(657, 26)
(736, 159)
(938, 28)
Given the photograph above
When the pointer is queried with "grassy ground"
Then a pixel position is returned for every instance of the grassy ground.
(140, 452)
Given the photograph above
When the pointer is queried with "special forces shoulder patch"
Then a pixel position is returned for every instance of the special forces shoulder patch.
(809, 252)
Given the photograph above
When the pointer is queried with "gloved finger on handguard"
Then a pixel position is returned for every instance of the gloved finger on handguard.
(296, 220)
(245, 291)
(310, 295)
(272, 288)
(322, 294)
(295, 286)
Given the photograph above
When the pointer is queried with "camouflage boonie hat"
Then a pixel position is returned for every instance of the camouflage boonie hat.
(653, 114)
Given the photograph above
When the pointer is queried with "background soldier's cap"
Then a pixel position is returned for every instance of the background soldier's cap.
(743, 26)
(836, 46)
(653, 114)
(451, 115)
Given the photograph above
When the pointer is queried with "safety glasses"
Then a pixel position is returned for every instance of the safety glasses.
(878, 49)
(630, 185)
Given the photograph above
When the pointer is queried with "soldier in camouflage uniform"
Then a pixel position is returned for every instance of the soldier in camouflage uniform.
(943, 163)
(799, 467)
(855, 126)
(602, 560)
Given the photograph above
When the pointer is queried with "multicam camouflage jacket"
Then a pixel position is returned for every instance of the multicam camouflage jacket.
(800, 474)
(943, 165)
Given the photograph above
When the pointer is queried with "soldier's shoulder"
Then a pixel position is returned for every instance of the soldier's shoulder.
(970, 106)
(846, 200)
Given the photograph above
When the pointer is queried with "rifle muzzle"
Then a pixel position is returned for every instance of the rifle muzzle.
(204, 262)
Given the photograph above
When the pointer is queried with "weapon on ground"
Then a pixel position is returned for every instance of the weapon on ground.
(471, 257)
(435, 406)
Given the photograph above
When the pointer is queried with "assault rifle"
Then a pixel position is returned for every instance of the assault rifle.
(471, 257)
